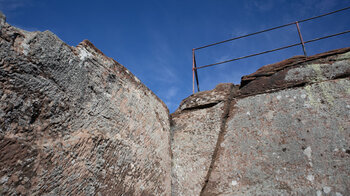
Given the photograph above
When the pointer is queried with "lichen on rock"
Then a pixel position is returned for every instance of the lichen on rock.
(75, 122)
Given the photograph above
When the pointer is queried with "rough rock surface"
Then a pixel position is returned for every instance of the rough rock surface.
(272, 77)
(291, 142)
(194, 142)
(287, 132)
(75, 122)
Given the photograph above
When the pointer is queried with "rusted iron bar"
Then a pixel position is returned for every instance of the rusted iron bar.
(268, 51)
(270, 29)
(193, 70)
(243, 57)
(328, 36)
(301, 38)
(329, 13)
(244, 36)
(302, 43)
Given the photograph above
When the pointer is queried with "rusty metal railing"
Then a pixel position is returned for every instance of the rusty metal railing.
(302, 43)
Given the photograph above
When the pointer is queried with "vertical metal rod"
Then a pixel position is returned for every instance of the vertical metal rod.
(196, 72)
(193, 70)
(301, 38)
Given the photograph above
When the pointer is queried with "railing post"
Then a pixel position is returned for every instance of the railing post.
(193, 62)
(301, 38)
(302, 43)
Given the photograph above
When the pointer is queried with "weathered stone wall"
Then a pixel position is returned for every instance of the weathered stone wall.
(194, 142)
(287, 132)
(291, 142)
(75, 122)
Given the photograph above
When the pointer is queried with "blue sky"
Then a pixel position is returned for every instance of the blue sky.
(154, 38)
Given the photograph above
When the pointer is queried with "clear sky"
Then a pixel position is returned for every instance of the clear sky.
(154, 38)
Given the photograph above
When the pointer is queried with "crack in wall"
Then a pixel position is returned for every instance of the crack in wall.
(231, 100)
(221, 136)
(204, 106)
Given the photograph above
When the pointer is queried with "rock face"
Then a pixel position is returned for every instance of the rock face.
(75, 122)
(194, 142)
(291, 142)
(286, 132)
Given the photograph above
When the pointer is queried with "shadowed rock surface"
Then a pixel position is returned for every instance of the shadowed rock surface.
(75, 122)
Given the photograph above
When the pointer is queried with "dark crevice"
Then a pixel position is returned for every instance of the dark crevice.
(13, 38)
(209, 105)
(36, 112)
(344, 75)
(106, 117)
(318, 58)
(220, 139)
(93, 89)
(298, 85)
(272, 90)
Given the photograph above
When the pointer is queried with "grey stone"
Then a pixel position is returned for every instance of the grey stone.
(68, 114)
(287, 142)
(75, 122)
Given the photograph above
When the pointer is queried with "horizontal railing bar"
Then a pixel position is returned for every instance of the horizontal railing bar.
(328, 36)
(268, 51)
(245, 36)
(270, 29)
(324, 14)
(243, 57)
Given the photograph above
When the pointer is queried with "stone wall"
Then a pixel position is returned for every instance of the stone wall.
(286, 132)
(194, 142)
(75, 122)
